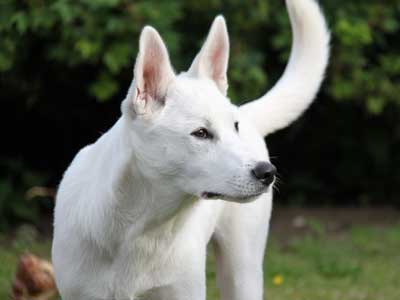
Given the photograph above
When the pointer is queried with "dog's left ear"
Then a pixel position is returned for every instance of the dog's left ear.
(212, 60)
(153, 74)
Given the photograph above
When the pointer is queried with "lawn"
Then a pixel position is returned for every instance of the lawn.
(359, 263)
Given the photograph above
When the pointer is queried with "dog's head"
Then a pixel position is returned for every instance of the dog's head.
(185, 131)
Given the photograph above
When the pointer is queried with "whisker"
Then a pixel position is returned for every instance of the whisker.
(275, 188)
(278, 178)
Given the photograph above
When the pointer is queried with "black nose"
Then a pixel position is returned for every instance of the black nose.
(265, 172)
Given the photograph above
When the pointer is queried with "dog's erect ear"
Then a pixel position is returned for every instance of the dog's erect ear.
(212, 60)
(153, 72)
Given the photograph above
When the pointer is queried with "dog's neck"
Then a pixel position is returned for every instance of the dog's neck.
(132, 204)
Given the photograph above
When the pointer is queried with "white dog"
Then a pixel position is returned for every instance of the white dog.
(136, 209)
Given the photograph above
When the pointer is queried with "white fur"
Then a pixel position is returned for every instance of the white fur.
(130, 221)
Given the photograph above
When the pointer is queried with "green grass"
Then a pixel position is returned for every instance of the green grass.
(360, 264)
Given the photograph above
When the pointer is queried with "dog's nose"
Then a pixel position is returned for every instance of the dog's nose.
(265, 172)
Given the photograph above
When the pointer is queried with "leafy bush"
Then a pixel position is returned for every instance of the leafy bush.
(15, 205)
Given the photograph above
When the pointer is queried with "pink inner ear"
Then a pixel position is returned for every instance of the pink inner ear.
(152, 71)
(216, 58)
(149, 80)
(217, 61)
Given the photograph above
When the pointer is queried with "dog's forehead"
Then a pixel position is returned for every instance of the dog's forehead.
(201, 97)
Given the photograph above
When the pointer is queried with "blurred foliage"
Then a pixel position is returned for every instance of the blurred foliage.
(66, 65)
(14, 203)
(102, 35)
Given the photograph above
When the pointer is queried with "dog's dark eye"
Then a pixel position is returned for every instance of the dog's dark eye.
(202, 133)
(237, 126)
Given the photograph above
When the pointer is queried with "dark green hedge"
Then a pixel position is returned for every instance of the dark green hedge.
(66, 65)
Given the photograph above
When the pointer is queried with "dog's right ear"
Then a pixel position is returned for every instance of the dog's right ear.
(212, 60)
(153, 74)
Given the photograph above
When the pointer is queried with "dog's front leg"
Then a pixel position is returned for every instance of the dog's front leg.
(239, 242)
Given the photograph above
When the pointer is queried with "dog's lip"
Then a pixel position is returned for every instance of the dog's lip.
(210, 195)
(247, 198)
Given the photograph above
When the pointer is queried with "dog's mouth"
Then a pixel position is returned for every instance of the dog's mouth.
(210, 195)
(244, 198)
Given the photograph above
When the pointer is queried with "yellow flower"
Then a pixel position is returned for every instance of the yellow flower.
(277, 280)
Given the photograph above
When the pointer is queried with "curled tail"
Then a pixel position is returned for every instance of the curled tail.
(303, 75)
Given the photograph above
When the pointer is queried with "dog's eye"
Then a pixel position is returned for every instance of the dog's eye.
(202, 133)
(237, 126)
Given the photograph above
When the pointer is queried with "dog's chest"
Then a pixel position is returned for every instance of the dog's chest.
(162, 255)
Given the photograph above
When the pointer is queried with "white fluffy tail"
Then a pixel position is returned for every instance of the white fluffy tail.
(296, 89)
